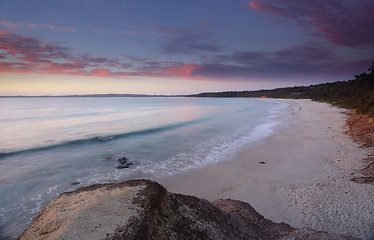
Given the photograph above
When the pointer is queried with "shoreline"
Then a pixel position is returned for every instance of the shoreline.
(301, 175)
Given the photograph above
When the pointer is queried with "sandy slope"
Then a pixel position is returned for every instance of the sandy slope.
(305, 180)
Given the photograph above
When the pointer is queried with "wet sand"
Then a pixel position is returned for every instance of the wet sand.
(300, 176)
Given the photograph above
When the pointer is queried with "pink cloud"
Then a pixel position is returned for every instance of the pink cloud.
(7, 67)
(101, 72)
(311, 60)
(184, 70)
(30, 49)
(32, 55)
(65, 68)
(346, 22)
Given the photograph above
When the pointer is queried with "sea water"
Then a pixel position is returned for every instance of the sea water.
(52, 145)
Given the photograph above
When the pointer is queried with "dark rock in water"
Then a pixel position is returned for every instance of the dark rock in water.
(75, 183)
(123, 163)
(122, 160)
(123, 166)
(142, 209)
(261, 162)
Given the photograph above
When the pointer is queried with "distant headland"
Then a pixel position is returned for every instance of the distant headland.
(88, 95)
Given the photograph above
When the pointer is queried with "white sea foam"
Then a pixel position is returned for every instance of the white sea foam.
(185, 134)
(222, 148)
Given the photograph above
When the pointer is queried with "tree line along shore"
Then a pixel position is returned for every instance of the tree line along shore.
(355, 94)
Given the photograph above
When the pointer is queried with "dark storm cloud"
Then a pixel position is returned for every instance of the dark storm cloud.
(343, 22)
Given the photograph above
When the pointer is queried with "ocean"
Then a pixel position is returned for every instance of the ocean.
(52, 145)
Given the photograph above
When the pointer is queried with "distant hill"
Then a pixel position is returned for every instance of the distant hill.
(353, 94)
(89, 95)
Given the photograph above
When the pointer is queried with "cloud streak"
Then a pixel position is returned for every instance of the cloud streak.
(342, 22)
(311, 60)
(12, 25)
(30, 49)
(105, 31)
(26, 54)
(180, 41)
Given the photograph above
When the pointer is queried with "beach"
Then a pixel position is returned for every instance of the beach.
(67, 143)
(300, 175)
(289, 159)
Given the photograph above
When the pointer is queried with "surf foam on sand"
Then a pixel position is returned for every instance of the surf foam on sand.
(300, 176)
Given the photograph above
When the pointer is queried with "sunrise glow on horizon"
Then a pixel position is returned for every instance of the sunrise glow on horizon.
(140, 47)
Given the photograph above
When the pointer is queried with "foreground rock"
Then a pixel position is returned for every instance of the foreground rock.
(142, 209)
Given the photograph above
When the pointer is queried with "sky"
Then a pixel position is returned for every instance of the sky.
(58, 47)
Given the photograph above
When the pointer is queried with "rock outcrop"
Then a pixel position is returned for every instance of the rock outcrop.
(142, 209)
(360, 127)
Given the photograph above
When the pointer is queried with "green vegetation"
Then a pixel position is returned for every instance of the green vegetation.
(353, 94)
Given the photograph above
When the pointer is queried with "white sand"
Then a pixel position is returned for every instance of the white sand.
(305, 180)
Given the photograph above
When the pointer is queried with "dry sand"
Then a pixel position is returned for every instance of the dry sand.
(305, 180)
